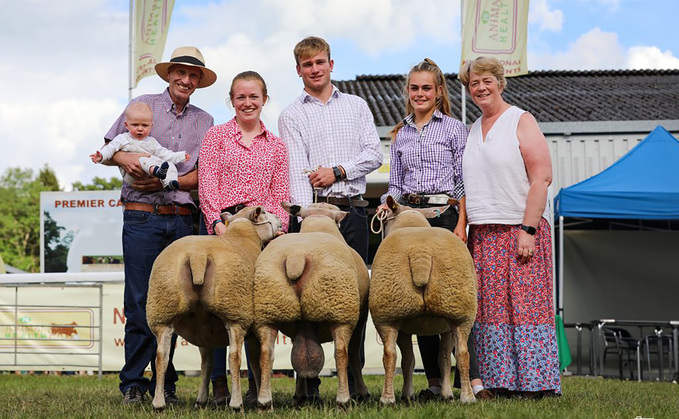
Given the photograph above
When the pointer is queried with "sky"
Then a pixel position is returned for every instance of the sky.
(65, 63)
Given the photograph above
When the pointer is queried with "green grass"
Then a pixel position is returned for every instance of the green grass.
(49, 396)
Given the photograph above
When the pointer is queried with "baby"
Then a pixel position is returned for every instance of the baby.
(138, 121)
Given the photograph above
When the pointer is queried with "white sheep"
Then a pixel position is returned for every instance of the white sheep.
(312, 287)
(422, 282)
(201, 287)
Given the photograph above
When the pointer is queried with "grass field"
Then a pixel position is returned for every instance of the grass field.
(53, 396)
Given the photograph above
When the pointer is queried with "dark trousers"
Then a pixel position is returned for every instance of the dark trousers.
(429, 345)
(145, 235)
(354, 229)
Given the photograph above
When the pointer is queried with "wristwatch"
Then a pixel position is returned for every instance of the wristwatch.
(528, 229)
(337, 172)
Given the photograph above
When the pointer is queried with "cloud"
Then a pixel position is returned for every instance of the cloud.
(594, 50)
(651, 57)
(541, 14)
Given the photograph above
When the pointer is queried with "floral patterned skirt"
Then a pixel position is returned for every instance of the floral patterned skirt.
(515, 333)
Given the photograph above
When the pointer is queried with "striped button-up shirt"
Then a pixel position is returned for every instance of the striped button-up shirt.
(340, 132)
(175, 132)
(428, 161)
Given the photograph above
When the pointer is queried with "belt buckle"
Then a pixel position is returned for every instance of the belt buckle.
(415, 199)
(155, 209)
(437, 200)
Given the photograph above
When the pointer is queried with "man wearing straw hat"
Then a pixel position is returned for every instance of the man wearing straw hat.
(153, 218)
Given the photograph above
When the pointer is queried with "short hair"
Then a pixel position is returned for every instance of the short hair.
(483, 65)
(138, 106)
(249, 75)
(310, 46)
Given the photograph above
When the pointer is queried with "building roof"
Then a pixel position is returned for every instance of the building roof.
(551, 96)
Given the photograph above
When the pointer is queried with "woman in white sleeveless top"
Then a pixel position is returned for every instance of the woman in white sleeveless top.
(507, 169)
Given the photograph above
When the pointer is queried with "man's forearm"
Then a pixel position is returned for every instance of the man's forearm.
(189, 181)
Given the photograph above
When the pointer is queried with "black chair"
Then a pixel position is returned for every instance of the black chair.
(620, 342)
(659, 345)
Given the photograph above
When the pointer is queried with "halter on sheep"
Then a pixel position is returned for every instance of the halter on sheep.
(423, 282)
(201, 288)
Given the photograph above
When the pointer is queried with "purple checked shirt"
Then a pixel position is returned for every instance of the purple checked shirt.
(429, 161)
(339, 132)
(183, 132)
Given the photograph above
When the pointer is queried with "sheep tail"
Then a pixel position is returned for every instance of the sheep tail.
(294, 266)
(420, 268)
(198, 264)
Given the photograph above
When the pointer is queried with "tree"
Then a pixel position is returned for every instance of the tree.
(20, 215)
(56, 248)
(99, 184)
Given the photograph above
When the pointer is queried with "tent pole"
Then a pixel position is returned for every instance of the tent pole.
(561, 279)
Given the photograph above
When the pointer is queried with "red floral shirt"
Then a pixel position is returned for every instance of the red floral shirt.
(230, 173)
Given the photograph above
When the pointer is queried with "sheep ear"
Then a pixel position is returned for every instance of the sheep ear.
(391, 203)
(256, 213)
(291, 209)
(433, 212)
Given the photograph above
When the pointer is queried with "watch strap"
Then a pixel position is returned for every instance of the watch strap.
(528, 229)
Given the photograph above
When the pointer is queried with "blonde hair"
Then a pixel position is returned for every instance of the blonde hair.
(442, 102)
(310, 46)
(249, 75)
(483, 65)
(139, 108)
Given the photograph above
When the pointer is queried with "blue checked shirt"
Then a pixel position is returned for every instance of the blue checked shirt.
(340, 132)
(429, 161)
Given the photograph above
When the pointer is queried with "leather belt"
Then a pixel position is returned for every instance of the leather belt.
(345, 201)
(429, 200)
(158, 209)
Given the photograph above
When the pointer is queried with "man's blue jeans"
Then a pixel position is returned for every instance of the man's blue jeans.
(145, 235)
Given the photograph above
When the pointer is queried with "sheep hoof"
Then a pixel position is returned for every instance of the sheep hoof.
(265, 407)
(159, 410)
(199, 405)
(344, 405)
(388, 401)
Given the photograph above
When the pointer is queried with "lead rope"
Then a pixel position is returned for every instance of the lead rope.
(380, 216)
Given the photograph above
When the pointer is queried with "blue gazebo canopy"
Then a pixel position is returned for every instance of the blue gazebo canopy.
(643, 184)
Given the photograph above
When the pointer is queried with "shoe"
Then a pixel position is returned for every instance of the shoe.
(161, 172)
(134, 395)
(171, 397)
(427, 395)
(172, 186)
(220, 391)
(484, 394)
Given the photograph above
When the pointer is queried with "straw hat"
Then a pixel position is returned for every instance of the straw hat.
(189, 56)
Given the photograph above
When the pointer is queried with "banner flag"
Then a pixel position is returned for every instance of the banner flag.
(151, 23)
(496, 28)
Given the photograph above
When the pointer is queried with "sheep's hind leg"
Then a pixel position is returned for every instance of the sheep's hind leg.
(405, 343)
(445, 350)
(462, 358)
(236, 337)
(388, 334)
(341, 335)
(164, 338)
(267, 340)
(205, 370)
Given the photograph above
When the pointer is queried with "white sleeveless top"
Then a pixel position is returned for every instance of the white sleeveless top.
(495, 178)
